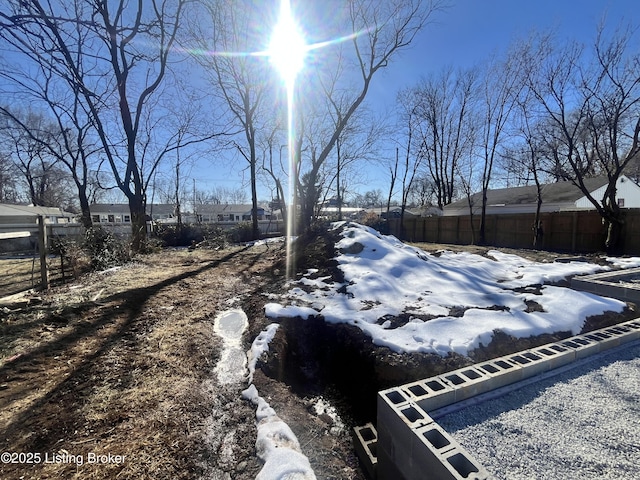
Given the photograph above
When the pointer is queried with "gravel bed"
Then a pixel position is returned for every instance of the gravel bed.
(583, 423)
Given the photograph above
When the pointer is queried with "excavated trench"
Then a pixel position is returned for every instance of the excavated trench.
(340, 363)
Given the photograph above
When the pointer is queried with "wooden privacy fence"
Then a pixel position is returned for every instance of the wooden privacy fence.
(571, 231)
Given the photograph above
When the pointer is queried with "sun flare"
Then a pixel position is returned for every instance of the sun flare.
(287, 49)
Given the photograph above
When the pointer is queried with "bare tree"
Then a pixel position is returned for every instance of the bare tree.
(444, 106)
(31, 140)
(72, 146)
(8, 177)
(241, 81)
(406, 168)
(595, 110)
(275, 170)
(112, 55)
(503, 82)
(381, 30)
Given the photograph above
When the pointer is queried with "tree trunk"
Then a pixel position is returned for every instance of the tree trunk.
(85, 216)
(537, 224)
(255, 229)
(137, 209)
(483, 219)
(614, 223)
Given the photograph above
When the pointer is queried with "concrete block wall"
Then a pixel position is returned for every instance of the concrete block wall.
(408, 442)
(411, 445)
(607, 284)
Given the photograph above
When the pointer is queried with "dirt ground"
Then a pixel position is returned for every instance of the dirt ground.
(115, 371)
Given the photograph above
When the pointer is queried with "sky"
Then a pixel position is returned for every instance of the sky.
(469, 32)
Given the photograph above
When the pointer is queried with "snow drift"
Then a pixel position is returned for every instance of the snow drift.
(454, 301)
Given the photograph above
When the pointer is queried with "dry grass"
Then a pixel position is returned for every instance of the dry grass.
(121, 364)
(19, 274)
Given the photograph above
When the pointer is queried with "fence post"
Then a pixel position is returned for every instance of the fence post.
(42, 248)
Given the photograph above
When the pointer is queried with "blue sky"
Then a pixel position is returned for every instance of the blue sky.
(471, 30)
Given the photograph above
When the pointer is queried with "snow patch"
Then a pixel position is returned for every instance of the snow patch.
(388, 277)
(259, 346)
(626, 262)
(276, 445)
(232, 366)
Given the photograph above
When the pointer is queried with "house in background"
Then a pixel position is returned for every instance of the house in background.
(111, 213)
(229, 212)
(556, 197)
(24, 214)
(115, 213)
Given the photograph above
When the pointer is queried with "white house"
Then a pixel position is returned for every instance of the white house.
(15, 214)
(556, 197)
(230, 212)
(167, 213)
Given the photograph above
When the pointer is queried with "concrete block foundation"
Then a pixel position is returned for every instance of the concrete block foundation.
(409, 445)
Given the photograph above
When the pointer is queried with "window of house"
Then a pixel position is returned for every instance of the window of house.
(127, 218)
(220, 217)
(95, 218)
(111, 218)
(621, 202)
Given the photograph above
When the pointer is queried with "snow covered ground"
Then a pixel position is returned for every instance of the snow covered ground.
(454, 301)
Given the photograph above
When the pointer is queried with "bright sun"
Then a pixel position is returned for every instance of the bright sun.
(288, 48)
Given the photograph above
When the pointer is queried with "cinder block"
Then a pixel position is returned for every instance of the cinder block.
(582, 345)
(465, 466)
(530, 362)
(387, 469)
(633, 330)
(466, 382)
(438, 455)
(627, 333)
(365, 440)
(429, 445)
(430, 394)
(396, 418)
(635, 324)
(556, 357)
(605, 340)
(502, 372)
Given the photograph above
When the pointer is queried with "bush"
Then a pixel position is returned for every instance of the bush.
(105, 249)
(243, 232)
(73, 258)
(374, 220)
(207, 235)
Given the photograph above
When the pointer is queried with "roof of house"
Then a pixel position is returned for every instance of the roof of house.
(9, 210)
(560, 192)
(170, 208)
(228, 208)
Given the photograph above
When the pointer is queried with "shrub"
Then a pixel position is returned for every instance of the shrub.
(242, 232)
(105, 249)
(73, 258)
(374, 220)
(206, 235)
